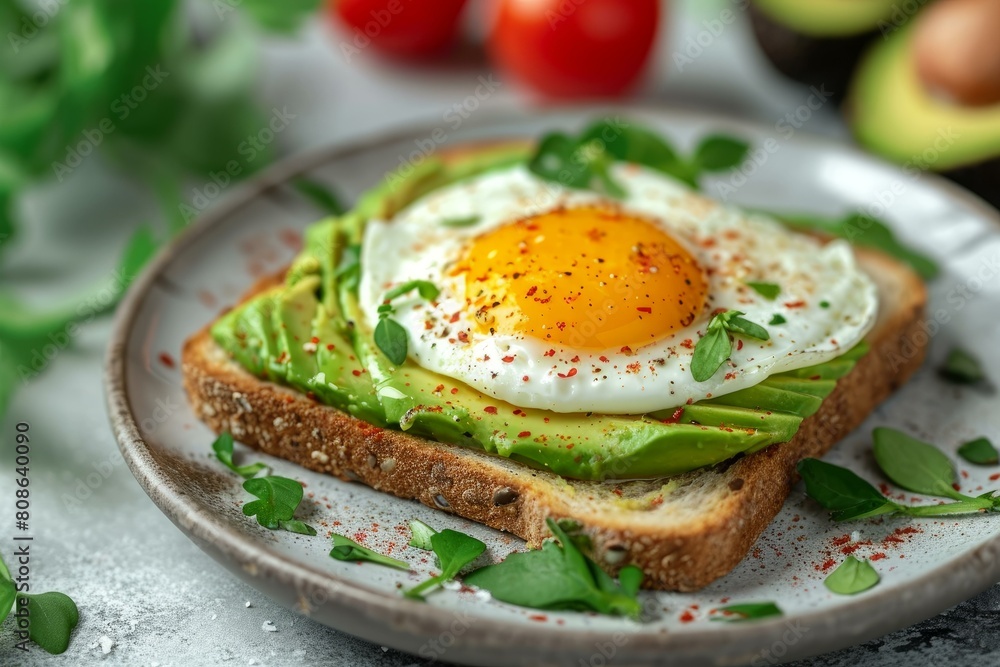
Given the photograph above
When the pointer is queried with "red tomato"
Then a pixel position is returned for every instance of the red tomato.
(401, 27)
(575, 48)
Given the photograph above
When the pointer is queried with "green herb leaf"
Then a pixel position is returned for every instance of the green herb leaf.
(710, 352)
(53, 617)
(864, 231)
(427, 290)
(454, 550)
(769, 291)
(559, 578)
(914, 465)
(720, 153)
(278, 499)
(223, 448)
(391, 338)
(962, 368)
(296, 526)
(7, 594)
(851, 577)
(980, 451)
(737, 325)
(839, 490)
(467, 221)
(748, 611)
(319, 194)
(555, 160)
(421, 534)
(347, 549)
(776, 320)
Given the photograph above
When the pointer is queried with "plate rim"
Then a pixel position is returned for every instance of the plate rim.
(961, 578)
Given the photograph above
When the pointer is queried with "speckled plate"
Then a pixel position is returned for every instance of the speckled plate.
(926, 565)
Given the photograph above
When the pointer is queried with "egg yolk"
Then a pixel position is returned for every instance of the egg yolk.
(583, 277)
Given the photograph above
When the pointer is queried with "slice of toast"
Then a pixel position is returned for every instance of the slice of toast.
(684, 532)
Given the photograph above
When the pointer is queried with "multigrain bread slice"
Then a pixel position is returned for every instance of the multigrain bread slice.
(684, 532)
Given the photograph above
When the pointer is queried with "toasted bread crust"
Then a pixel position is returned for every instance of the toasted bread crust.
(682, 539)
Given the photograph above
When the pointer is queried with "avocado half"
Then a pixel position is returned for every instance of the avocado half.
(892, 114)
(819, 42)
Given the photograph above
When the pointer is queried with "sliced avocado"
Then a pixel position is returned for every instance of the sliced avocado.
(272, 335)
(892, 113)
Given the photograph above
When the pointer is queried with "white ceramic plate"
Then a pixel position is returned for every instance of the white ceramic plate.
(926, 565)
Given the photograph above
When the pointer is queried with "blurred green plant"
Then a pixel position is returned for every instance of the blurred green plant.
(160, 88)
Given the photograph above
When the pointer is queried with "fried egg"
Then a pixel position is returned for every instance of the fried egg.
(571, 301)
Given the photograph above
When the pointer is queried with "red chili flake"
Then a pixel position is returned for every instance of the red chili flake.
(463, 336)
(739, 344)
(490, 410)
(626, 350)
(532, 290)
(507, 359)
(674, 418)
(541, 618)
(454, 390)
(964, 473)
(331, 347)
(826, 565)
(656, 502)
(167, 360)
(884, 488)
(840, 541)
(438, 389)
(956, 486)
(731, 375)
(878, 556)
(604, 359)
(486, 357)
(795, 304)
(524, 434)
(454, 317)
(686, 617)
(994, 477)
(687, 343)
(568, 374)
(550, 353)
(575, 359)
(524, 378)
(314, 340)
(356, 373)
(644, 309)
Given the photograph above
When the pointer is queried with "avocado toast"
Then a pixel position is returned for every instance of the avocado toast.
(686, 527)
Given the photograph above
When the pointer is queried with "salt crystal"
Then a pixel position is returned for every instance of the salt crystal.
(268, 626)
(248, 604)
(106, 644)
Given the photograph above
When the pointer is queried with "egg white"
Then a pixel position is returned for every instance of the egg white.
(829, 304)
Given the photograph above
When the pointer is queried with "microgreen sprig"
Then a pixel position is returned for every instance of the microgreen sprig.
(712, 350)
(584, 161)
(52, 615)
(390, 336)
(347, 549)
(560, 576)
(909, 463)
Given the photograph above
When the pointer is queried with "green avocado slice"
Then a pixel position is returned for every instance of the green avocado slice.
(893, 114)
(310, 334)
